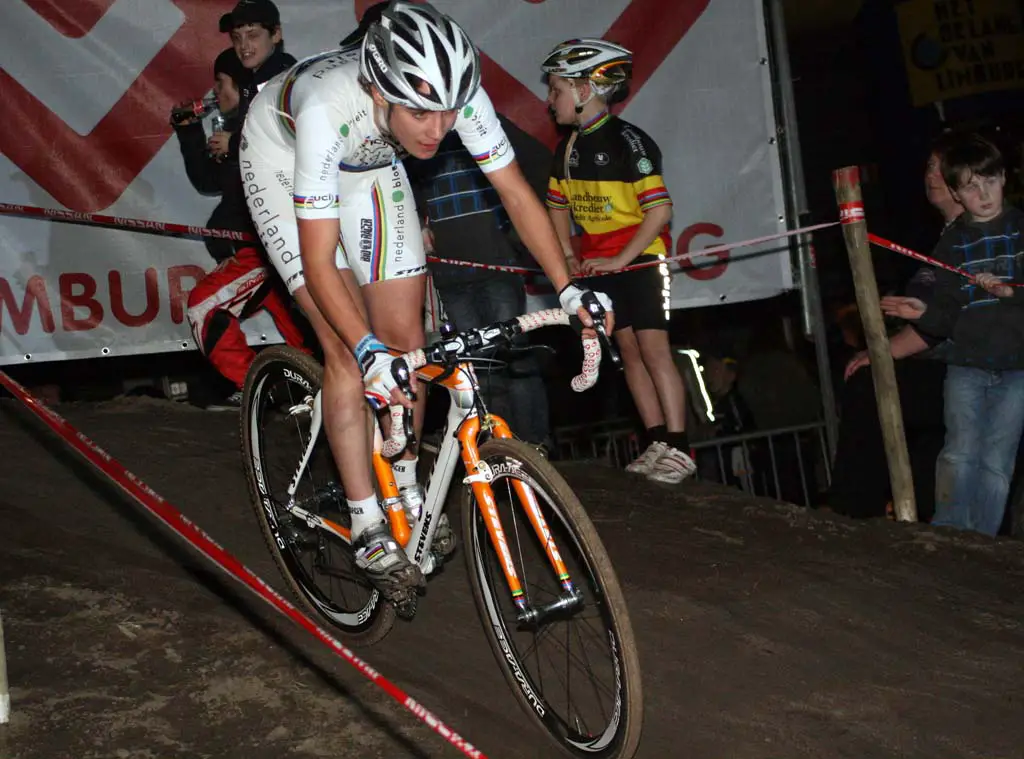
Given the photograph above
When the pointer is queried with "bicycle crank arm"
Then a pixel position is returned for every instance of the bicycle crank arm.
(565, 605)
(329, 495)
(316, 522)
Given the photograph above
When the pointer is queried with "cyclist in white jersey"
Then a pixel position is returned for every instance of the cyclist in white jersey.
(320, 161)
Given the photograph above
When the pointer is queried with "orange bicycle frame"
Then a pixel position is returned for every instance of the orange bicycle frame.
(483, 494)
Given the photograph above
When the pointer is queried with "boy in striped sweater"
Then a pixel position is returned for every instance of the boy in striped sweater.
(983, 317)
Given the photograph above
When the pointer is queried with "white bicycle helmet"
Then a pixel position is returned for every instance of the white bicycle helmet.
(414, 43)
(604, 63)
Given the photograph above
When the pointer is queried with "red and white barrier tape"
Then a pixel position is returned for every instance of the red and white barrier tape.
(724, 247)
(896, 248)
(849, 213)
(185, 230)
(203, 543)
(488, 267)
(120, 222)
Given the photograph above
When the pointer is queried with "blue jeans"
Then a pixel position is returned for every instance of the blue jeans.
(517, 393)
(984, 415)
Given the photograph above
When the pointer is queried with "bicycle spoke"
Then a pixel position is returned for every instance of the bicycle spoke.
(573, 715)
(582, 665)
(317, 565)
(572, 657)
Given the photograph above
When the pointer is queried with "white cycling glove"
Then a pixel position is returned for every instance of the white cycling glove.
(571, 299)
(375, 364)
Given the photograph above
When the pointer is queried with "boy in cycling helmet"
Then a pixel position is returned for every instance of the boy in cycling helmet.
(606, 177)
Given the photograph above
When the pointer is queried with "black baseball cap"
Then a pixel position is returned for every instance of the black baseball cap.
(250, 12)
(371, 15)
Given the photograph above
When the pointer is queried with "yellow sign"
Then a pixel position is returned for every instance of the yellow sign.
(954, 48)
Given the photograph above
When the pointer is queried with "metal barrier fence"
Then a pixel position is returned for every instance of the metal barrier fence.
(789, 464)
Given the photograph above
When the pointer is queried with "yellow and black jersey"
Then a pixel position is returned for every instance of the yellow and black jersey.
(614, 177)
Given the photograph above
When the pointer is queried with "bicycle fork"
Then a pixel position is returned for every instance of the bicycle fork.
(479, 478)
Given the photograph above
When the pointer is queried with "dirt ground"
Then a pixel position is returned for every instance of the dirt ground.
(764, 630)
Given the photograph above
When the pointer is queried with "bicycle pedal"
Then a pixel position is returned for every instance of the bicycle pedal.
(441, 558)
(444, 542)
(406, 608)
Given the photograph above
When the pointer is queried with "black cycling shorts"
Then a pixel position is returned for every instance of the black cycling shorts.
(637, 296)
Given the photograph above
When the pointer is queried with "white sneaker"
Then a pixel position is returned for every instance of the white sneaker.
(672, 467)
(645, 462)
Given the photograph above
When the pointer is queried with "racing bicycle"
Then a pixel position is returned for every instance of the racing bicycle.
(544, 587)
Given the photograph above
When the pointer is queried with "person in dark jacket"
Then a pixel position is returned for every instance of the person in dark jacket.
(258, 41)
(981, 312)
(212, 174)
(241, 284)
(465, 221)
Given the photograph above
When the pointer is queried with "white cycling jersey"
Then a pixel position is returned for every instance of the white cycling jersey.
(311, 149)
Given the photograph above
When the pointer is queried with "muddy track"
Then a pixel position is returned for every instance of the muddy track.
(764, 630)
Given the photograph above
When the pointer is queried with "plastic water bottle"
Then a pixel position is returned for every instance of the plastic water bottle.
(217, 124)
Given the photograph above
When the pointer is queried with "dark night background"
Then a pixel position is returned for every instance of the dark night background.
(854, 108)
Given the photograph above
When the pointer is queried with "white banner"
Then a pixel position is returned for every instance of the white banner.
(87, 96)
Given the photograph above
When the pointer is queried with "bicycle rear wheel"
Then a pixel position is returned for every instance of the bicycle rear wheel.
(575, 672)
(318, 567)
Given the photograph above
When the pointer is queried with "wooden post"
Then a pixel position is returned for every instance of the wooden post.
(851, 213)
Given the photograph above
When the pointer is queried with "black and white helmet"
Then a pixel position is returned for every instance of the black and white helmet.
(415, 43)
(603, 63)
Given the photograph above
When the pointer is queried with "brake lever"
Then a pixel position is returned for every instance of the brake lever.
(608, 346)
(410, 431)
(597, 314)
(403, 378)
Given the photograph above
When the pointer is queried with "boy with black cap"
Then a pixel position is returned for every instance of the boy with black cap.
(241, 284)
(256, 36)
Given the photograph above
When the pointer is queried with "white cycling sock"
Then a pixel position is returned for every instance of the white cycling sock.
(405, 472)
(366, 513)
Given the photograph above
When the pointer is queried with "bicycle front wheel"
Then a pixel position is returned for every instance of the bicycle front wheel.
(575, 671)
(318, 566)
